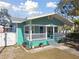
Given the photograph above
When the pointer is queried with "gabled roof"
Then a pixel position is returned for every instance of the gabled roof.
(61, 18)
(64, 20)
(39, 16)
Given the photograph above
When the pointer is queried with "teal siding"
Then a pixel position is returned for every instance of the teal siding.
(46, 21)
(35, 43)
(27, 22)
(20, 32)
(39, 43)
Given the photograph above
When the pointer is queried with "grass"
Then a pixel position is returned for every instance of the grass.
(14, 52)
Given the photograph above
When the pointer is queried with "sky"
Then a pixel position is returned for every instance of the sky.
(26, 8)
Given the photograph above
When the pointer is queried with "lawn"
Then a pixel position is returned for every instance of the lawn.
(14, 52)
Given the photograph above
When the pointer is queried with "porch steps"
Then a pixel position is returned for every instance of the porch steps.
(52, 42)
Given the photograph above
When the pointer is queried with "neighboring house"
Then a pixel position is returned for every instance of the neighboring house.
(36, 31)
(11, 36)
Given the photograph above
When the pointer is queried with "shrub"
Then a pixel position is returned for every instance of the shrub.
(73, 36)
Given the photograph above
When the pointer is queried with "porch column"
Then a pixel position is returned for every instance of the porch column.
(30, 31)
(53, 32)
(46, 32)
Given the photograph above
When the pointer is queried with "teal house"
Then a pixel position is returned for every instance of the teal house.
(40, 30)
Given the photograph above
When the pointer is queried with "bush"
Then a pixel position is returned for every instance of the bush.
(73, 37)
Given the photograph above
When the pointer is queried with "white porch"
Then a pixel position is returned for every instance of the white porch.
(40, 32)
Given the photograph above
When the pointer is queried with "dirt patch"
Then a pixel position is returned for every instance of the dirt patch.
(18, 53)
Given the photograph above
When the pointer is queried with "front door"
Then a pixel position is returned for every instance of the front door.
(52, 35)
(50, 32)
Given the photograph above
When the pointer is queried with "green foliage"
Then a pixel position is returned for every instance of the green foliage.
(67, 27)
(76, 22)
(69, 7)
(73, 36)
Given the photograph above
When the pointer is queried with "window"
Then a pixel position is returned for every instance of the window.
(38, 29)
(26, 29)
(12, 28)
(56, 29)
(42, 29)
(7, 30)
(33, 29)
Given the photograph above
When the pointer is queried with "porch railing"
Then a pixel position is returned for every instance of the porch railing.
(39, 36)
(27, 36)
(36, 36)
(58, 36)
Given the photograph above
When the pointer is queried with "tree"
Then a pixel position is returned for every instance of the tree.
(5, 18)
(68, 7)
(5, 21)
(76, 25)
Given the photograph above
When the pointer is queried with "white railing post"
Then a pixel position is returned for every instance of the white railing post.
(53, 32)
(30, 31)
(46, 32)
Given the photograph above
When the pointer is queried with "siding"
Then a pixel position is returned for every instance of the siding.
(20, 33)
(46, 21)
